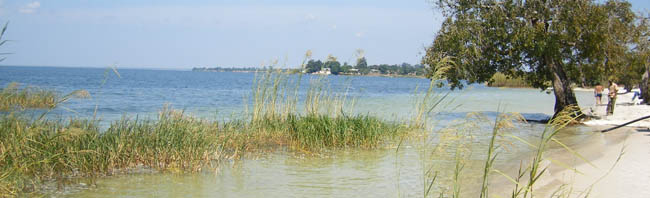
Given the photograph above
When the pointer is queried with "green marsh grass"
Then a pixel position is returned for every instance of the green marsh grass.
(12, 96)
(324, 123)
(35, 151)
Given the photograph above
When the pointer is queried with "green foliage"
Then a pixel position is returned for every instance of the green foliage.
(642, 54)
(363, 68)
(523, 39)
(501, 80)
(537, 40)
(346, 68)
(314, 66)
(361, 63)
(335, 66)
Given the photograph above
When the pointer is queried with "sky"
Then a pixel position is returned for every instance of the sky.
(167, 34)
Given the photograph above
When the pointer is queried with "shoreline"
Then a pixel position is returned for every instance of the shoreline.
(618, 161)
(619, 170)
(624, 111)
(621, 167)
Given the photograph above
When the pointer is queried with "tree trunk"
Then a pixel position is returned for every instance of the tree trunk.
(644, 86)
(564, 96)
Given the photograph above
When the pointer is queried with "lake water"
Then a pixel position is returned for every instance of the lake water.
(218, 96)
(208, 94)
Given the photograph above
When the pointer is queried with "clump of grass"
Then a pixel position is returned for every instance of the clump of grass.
(173, 141)
(33, 151)
(323, 124)
(36, 151)
(501, 80)
(13, 96)
(322, 131)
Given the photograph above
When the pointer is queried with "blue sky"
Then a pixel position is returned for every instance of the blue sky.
(184, 34)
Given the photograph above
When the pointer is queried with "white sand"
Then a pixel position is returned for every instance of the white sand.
(624, 111)
(630, 177)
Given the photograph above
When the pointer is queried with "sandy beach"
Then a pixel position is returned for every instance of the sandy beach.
(606, 175)
(625, 111)
(603, 176)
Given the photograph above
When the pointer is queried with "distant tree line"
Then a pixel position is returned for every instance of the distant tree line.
(234, 69)
(362, 68)
(336, 68)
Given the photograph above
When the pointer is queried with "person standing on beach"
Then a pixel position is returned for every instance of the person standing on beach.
(613, 88)
(598, 93)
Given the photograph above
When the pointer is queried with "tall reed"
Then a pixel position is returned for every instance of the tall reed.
(34, 151)
(525, 180)
(12, 96)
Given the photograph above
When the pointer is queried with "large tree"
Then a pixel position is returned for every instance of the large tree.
(542, 41)
(313, 66)
(333, 64)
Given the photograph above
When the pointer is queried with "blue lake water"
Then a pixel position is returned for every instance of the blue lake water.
(222, 95)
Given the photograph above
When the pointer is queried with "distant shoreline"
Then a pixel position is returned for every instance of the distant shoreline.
(294, 71)
(98, 67)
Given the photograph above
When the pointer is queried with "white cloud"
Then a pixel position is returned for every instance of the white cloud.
(30, 7)
(359, 34)
(333, 27)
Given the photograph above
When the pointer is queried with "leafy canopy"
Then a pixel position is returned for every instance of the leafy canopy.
(528, 38)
